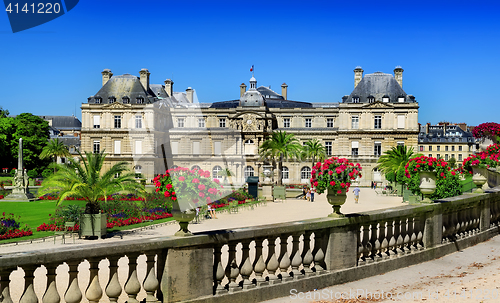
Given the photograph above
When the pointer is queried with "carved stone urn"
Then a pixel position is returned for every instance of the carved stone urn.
(183, 217)
(479, 178)
(427, 185)
(336, 200)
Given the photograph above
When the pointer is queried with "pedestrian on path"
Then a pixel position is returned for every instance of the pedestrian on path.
(356, 194)
(308, 194)
(311, 191)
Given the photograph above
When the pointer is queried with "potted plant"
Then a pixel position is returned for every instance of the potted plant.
(334, 176)
(488, 132)
(188, 190)
(84, 178)
(477, 165)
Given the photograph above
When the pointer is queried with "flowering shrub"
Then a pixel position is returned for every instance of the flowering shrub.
(488, 130)
(447, 179)
(1, 197)
(54, 227)
(493, 149)
(10, 227)
(192, 188)
(335, 174)
(481, 160)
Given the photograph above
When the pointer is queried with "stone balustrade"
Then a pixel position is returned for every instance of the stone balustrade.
(254, 263)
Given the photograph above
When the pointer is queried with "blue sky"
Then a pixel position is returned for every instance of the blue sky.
(448, 49)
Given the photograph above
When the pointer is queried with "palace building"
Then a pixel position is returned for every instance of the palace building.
(153, 127)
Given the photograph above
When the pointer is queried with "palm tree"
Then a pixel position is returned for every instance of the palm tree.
(394, 159)
(314, 150)
(54, 148)
(281, 146)
(84, 178)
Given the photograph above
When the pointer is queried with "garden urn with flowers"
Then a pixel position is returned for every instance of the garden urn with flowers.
(188, 189)
(334, 176)
(477, 165)
(426, 167)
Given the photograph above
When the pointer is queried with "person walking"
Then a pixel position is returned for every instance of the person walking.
(308, 194)
(312, 190)
(356, 194)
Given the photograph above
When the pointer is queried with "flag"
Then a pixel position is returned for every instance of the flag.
(251, 68)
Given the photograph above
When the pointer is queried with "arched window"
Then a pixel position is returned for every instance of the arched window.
(138, 169)
(249, 141)
(305, 173)
(250, 148)
(217, 172)
(285, 173)
(196, 167)
(249, 171)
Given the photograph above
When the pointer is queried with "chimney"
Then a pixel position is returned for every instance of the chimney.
(358, 75)
(398, 75)
(169, 87)
(106, 75)
(427, 127)
(284, 91)
(145, 78)
(189, 94)
(463, 126)
(243, 89)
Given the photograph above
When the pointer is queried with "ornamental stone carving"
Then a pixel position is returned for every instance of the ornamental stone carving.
(249, 122)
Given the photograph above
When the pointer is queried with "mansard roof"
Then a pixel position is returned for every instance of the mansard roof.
(122, 86)
(270, 103)
(64, 122)
(378, 85)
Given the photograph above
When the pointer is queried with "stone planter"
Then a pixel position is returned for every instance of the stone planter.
(336, 201)
(427, 185)
(93, 225)
(183, 217)
(479, 178)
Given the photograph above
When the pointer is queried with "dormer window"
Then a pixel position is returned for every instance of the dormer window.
(140, 100)
(125, 100)
(355, 99)
(385, 99)
(98, 100)
(371, 99)
(401, 99)
(111, 99)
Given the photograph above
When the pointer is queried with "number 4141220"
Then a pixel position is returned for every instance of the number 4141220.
(34, 8)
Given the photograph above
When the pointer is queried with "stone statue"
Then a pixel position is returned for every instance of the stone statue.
(20, 190)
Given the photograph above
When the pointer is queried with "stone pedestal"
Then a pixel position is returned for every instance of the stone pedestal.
(267, 191)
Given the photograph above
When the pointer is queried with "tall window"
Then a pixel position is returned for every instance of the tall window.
(377, 149)
(438, 148)
(378, 122)
(196, 148)
(430, 147)
(446, 148)
(97, 147)
(138, 147)
(285, 174)
(438, 156)
(329, 122)
(286, 122)
(180, 122)
(138, 121)
(201, 122)
(174, 145)
(421, 148)
(453, 148)
(354, 148)
(308, 122)
(217, 172)
(355, 122)
(217, 147)
(118, 121)
(118, 147)
(97, 121)
(328, 148)
(446, 157)
(460, 148)
(249, 171)
(222, 122)
(305, 173)
(459, 157)
(401, 121)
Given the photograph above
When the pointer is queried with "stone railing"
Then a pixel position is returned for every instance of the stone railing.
(251, 264)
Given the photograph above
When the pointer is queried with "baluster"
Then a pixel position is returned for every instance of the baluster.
(359, 253)
(73, 293)
(246, 267)
(232, 270)
(461, 222)
(366, 244)
(469, 221)
(29, 295)
(150, 283)
(296, 259)
(397, 236)
(113, 289)
(446, 228)
(51, 295)
(272, 261)
(307, 256)
(476, 220)
(404, 235)
(455, 225)
(218, 271)
(258, 264)
(412, 234)
(420, 232)
(284, 258)
(375, 244)
(382, 239)
(392, 240)
(4, 285)
(319, 255)
(94, 291)
(132, 286)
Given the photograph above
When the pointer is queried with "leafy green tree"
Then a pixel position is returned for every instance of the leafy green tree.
(54, 149)
(452, 162)
(394, 160)
(3, 112)
(85, 179)
(314, 150)
(280, 147)
(6, 132)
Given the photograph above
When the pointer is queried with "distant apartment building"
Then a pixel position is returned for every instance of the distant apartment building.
(446, 141)
(66, 129)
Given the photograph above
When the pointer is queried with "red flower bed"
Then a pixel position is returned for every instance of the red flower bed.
(131, 221)
(1, 196)
(15, 234)
(53, 227)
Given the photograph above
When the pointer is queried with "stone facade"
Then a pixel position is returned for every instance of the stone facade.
(377, 116)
